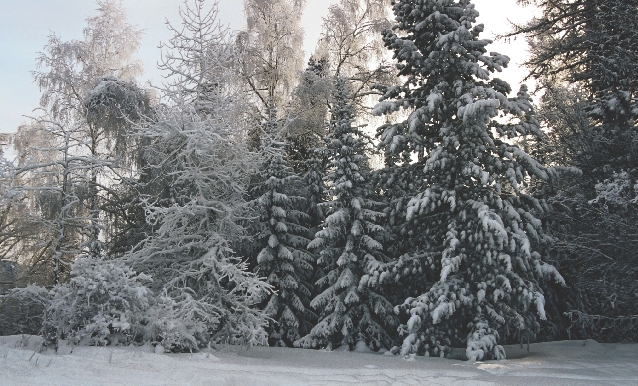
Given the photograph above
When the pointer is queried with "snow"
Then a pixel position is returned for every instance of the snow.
(555, 363)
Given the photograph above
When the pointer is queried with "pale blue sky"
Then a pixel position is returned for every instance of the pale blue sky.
(25, 25)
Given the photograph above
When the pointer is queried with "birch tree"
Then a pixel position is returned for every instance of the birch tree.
(272, 50)
(351, 42)
(52, 177)
(77, 80)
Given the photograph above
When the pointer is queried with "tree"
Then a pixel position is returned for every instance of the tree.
(350, 310)
(197, 156)
(350, 42)
(283, 259)
(594, 44)
(54, 181)
(579, 40)
(74, 66)
(272, 51)
(89, 100)
(316, 192)
(481, 234)
(52, 178)
(19, 237)
(305, 127)
(112, 106)
(592, 223)
(592, 122)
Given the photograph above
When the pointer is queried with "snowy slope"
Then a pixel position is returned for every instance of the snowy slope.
(557, 363)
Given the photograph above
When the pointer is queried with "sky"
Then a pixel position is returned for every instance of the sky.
(26, 24)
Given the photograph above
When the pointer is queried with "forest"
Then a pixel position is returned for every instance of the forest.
(391, 193)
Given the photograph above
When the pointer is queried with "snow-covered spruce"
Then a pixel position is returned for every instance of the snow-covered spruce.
(315, 193)
(200, 166)
(283, 259)
(481, 225)
(350, 310)
(592, 44)
(613, 110)
(315, 188)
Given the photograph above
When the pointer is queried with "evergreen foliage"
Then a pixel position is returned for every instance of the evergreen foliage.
(594, 45)
(592, 126)
(350, 309)
(242, 205)
(315, 193)
(592, 223)
(481, 230)
(315, 188)
(283, 259)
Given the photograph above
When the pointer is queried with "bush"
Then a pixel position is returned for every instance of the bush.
(22, 310)
(105, 303)
(176, 326)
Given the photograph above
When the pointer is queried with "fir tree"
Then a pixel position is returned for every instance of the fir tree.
(315, 193)
(612, 72)
(594, 45)
(481, 230)
(350, 310)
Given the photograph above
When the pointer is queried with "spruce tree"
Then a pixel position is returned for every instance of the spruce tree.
(315, 190)
(480, 227)
(350, 310)
(612, 72)
(593, 45)
(283, 259)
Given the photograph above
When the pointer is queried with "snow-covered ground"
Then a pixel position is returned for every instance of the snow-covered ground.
(556, 363)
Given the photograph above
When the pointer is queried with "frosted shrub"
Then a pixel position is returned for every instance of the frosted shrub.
(171, 327)
(22, 310)
(103, 304)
